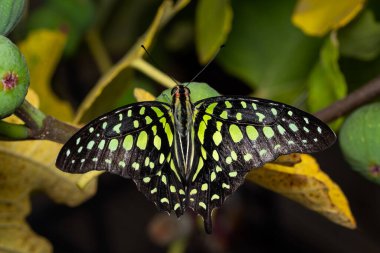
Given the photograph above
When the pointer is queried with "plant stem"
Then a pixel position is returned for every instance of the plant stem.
(98, 50)
(10, 131)
(152, 72)
(359, 97)
(55, 130)
(32, 117)
(37, 126)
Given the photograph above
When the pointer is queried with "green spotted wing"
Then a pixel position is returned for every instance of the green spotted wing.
(135, 142)
(236, 134)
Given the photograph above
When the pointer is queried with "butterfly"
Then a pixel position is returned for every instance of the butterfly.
(192, 155)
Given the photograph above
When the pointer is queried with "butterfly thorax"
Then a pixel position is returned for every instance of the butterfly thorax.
(182, 109)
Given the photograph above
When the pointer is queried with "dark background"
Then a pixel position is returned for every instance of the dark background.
(117, 218)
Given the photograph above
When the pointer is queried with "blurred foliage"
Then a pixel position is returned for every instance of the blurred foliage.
(42, 50)
(362, 39)
(306, 53)
(131, 59)
(212, 25)
(326, 82)
(269, 54)
(73, 17)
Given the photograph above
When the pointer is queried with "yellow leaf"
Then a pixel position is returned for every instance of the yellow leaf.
(143, 95)
(289, 160)
(17, 237)
(306, 184)
(87, 178)
(318, 17)
(27, 167)
(42, 50)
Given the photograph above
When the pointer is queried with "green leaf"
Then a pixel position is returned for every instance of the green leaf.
(266, 51)
(212, 25)
(361, 39)
(326, 82)
(360, 142)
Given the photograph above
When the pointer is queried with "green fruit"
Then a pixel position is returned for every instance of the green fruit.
(10, 13)
(359, 140)
(14, 77)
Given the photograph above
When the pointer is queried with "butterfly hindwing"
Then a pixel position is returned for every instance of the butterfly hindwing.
(237, 134)
(163, 187)
(135, 142)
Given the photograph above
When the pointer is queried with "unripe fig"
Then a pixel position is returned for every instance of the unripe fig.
(359, 140)
(10, 13)
(14, 77)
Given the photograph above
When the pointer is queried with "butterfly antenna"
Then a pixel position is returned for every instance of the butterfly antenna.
(155, 63)
(208, 63)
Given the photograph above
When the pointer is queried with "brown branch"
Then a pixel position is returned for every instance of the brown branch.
(40, 126)
(54, 130)
(359, 97)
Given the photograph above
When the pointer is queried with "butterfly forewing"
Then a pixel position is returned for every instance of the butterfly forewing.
(133, 141)
(236, 134)
(284, 129)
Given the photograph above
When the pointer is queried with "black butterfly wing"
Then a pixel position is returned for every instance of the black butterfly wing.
(134, 141)
(237, 134)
